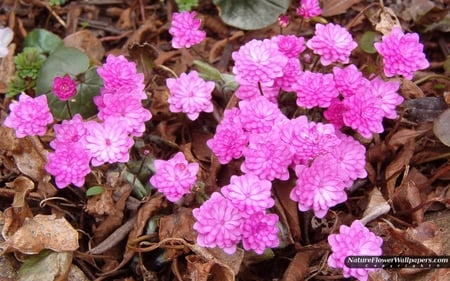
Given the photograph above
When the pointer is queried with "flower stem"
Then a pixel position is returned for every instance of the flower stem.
(68, 109)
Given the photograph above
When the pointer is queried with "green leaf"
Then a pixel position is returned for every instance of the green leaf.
(43, 40)
(251, 14)
(186, 5)
(75, 63)
(367, 40)
(440, 127)
(94, 190)
(208, 72)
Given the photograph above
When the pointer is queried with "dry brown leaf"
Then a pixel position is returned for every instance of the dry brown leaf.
(387, 19)
(410, 90)
(377, 206)
(298, 269)
(125, 21)
(7, 68)
(395, 168)
(406, 197)
(336, 7)
(400, 137)
(55, 266)
(102, 204)
(42, 232)
(287, 210)
(88, 43)
(197, 268)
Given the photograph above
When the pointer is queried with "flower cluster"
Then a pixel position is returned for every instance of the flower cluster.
(356, 240)
(185, 30)
(238, 213)
(174, 177)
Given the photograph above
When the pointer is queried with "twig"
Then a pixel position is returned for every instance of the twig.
(114, 238)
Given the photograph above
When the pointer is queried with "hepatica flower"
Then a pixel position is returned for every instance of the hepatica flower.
(69, 132)
(356, 240)
(349, 80)
(29, 116)
(174, 177)
(64, 87)
(290, 45)
(259, 232)
(218, 223)
(259, 115)
(190, 94)
(387, 93)
(332, 42)
(309, 9)
(118, 72)
(402, 53)
(185, 30)
(314, 89)
(6, 36)
(258, 61)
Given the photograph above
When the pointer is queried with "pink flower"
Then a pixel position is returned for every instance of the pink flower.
(334, 113)
(185, 30)
(364, 113)
(68, 164)
(118, 72)
(108, 142)
(402, 53)
(249, 194)
(126, 107)
(309, 9)
(315, 89)
(332, 42)
(69, 132)
(190, 94)
(174, 177)
(292, 72)
(387, 93)
(319, 186)
(218, 223)
(64, 87)
(259, 232)
(30, 116)
(283, 21)
(228, 143)
(349, 80)
(258, 62)
(259, 115)
(247, 92)
(290, 45)
(308, 140)
(356, 240)
(267, 157)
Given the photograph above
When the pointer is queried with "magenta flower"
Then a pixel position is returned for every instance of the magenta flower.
(228, 143)
(267, 157)
(185, 30)
(247, 92)
(174, 177)
(64, 87)
(259, 232)
(249, 194)
(259, 115)
(283, 21)
(349, 80)
(126, 107)
(108, 142)
(334, 113)
(69, 164)
(309, 9)
(364, 113)
(118, 73)
(332, 42)
(30, 116)
(402, 53)
(387, 93)
(315, 89)
(190, 94)
(356, 240)
(319, 186)
(218, 223)
(258, 62)
(290, 45)
(69, 132)
(292, 72)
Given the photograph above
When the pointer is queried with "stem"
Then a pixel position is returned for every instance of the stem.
(260, 88)
(302, 21)
(68, 109)
(431, 76)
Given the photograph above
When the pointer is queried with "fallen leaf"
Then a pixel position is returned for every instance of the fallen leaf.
(387, 20)
(298, 269)
(376, 207)
(394, 169)
(425, 109)
(406, 197)
(42, 232)
(7, 68)
(198, 268)
(53, 266)
(86, 41)
(336, 7)
(440, 127)
(402, 136)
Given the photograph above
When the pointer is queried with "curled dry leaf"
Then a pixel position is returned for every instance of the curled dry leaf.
(7, 68)
(387, 19)
(198, 268)
(406, 197)
(298, 269)
(42, 232)
(395, 168)
(400, 137)
(377, 206)
(337, 7)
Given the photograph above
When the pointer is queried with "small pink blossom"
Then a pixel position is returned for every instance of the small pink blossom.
(319, 186)
(334, 113)
(118, 72)
(292, 72)
(228, 143)
(258, 61)
(174, 177)
(247, 92)
(249, 194)
(29, 116)
(259, 115)
(364, 113)
(402, 53)
(218, 223)
(108, 142)
(387, 93)
(259, 232)
(356, 240)
(64, 87)
(185, 30)
(190, 94)
(69, 132)
(315, 89)
(69, 164)
(309, 9)
(283, 21)
(290, 45)
(349, 80)
(332, 42)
